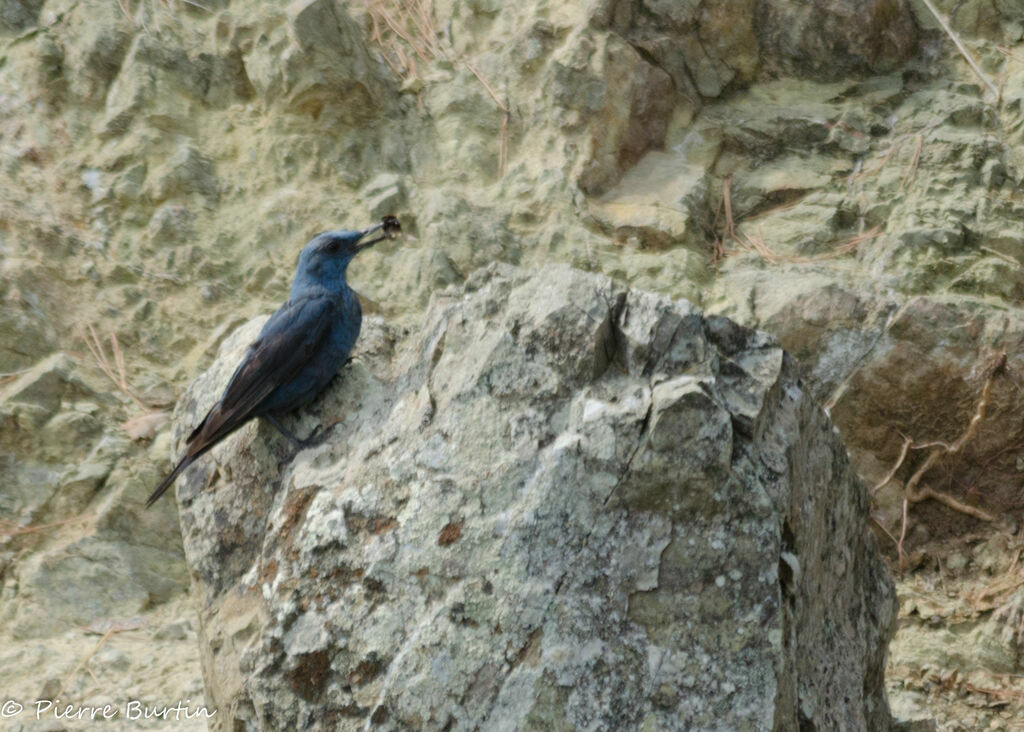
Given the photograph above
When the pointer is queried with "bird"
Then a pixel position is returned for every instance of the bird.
(299, 349)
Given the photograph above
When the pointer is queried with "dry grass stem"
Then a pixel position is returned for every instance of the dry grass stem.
(962, 48)
(729, 228)
(487, 86)
(1010, 54)
(12, 375)
(774, 210)
(915, 160)
(410, 23)
(999, 694)
(10, 528)
(852, 243)
(951, 681)
(885, 531)
(503, 146)
(758, 245)
(729, 232)
(998, 591)
(70, 677)
(893, 149)
(395, 26)
(120, 378)
(1005, 257)
(503, 133)
(112, 627)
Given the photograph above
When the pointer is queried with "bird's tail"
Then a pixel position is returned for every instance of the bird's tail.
(166, 482)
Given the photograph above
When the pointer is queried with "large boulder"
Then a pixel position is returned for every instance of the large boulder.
(556, 504)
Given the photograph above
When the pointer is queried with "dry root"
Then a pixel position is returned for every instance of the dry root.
(914, 491)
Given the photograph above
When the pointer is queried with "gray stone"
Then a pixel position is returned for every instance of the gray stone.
(94, 41)
(126, 95)
(78, 487)
(46, 384)
(94, 578)
(1001, 21)
(165, 81)
(179, 630)
(384, 195)
(187, 171)
(127, 186)
(560, 503)
(706, 48)
(25, 332)
(18, 15)
(314, 59)
(595, 84)
(662, 200)
(171, 224)
(825, 38)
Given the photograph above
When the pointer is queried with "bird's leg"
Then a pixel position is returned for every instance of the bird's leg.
(310, 441)
(283, 430)
(315, 437)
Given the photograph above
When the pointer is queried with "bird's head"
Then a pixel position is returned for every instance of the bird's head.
(326, 256)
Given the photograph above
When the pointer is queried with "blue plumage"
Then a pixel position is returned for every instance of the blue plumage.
(298, 351)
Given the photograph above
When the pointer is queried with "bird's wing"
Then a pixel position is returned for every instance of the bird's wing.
(285, 345)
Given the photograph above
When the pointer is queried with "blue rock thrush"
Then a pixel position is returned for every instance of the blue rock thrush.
(299, 350)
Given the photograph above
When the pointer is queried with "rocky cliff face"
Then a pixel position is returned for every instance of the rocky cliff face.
(831, 172)
(555, 503)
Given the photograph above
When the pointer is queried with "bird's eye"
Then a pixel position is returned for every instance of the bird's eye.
(332, 246)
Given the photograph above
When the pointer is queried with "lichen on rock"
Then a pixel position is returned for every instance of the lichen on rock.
(561, 503)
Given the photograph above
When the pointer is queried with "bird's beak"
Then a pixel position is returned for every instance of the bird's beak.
(391, 229)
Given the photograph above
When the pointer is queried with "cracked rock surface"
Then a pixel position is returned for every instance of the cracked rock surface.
(556, 503)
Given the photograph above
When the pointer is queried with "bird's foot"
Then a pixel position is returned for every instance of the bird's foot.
(315, 437)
